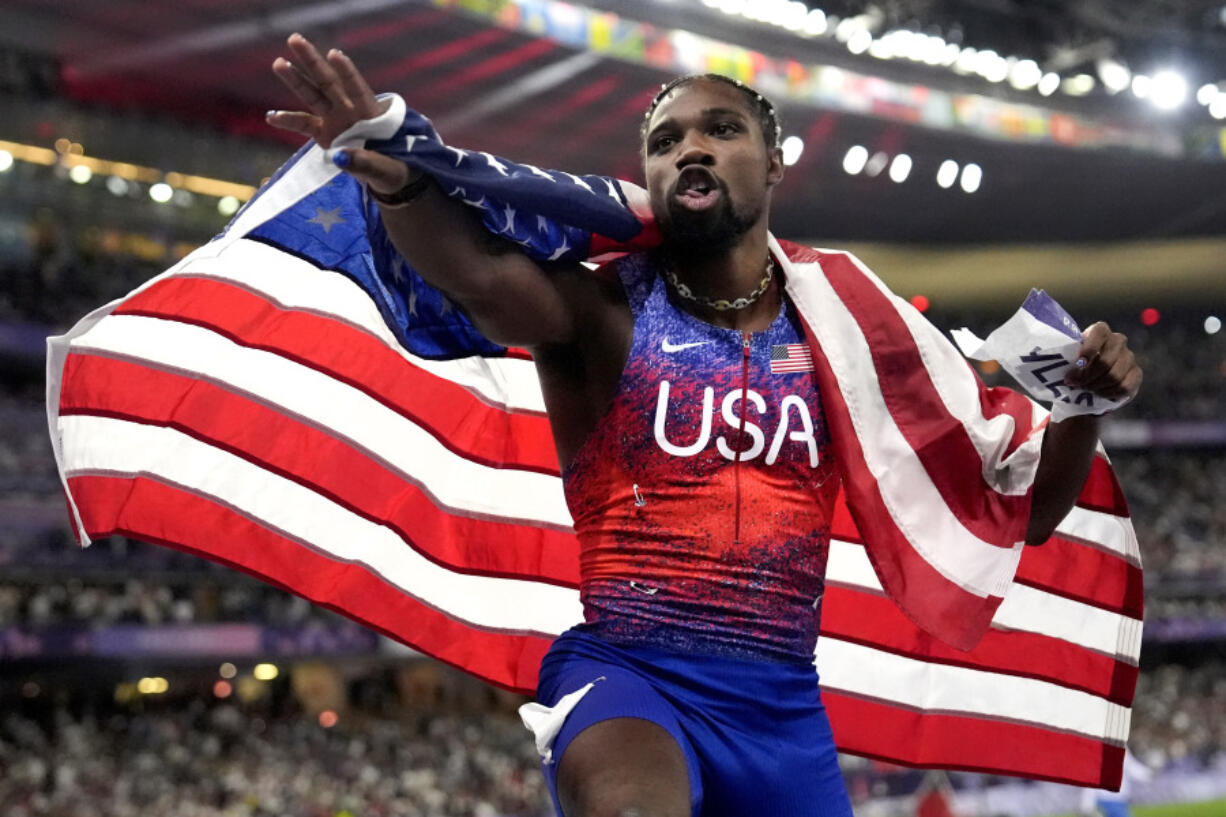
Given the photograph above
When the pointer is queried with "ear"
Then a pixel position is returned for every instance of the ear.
(774, 168)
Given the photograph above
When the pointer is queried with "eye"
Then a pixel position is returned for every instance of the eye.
(725, 129)
(662, 143)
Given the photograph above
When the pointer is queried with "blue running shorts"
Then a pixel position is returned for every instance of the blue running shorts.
(754, 734)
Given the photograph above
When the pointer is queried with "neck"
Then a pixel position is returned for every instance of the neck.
(730, 274)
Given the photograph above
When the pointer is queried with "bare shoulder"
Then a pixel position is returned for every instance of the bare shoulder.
(579, 377)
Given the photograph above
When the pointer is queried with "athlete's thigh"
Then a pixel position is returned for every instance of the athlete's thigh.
(621, 767)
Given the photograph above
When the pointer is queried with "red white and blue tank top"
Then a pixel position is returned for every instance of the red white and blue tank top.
(702, 500)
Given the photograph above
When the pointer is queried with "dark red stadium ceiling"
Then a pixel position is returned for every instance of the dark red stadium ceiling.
(206, 61)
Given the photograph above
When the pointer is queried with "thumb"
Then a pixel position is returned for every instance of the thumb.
(380, 173)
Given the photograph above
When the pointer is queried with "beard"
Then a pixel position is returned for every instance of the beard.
(705, 233)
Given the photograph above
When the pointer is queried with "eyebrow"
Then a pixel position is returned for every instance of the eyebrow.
(707, 113)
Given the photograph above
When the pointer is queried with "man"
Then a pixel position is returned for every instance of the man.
(690, 688)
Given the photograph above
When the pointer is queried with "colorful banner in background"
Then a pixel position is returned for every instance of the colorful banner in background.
(831, 87)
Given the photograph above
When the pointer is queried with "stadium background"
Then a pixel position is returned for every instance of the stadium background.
(966, 149)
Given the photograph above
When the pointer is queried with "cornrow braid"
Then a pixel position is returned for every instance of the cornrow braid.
(768, 117)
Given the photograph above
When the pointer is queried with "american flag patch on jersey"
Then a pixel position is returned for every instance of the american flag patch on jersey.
(791, 357)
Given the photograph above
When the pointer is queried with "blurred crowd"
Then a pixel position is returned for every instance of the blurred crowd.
(1179, 716)
(217, 760)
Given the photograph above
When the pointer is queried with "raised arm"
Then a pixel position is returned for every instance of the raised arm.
(1109, 368)
(509, 297)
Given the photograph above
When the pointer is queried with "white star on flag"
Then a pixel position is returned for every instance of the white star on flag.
(495, 164)
(327, 218)
(509, 213)
(577, 181)
(536, 171)
(460, 154)
(412, 139)
(560, 250)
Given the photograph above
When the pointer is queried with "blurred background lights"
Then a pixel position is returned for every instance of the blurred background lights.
(920, 302)
(1206, 93)
(116, 185)
(876, 163)
(222, 689)
(816, 23)
(1141, 84)
(1049, 83)
(947, 173)
(793, 146)
(1217, 108)
(1150, 316)
(265, 672)
(1025, 74)
(1078, 85)
(856, 158)
(1168, 90)
(328, 718)
(6, 160)
(152, 686)
(81, 174)
(1213, 325)
(228, 205)
(161, 192)
(1115, 75)
(227, 670)
(972, 177)
(860, 41)
(900, 168)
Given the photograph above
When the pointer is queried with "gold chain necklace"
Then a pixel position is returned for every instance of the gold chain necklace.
(721, 304)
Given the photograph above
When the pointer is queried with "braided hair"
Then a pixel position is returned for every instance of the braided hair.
(768, 117)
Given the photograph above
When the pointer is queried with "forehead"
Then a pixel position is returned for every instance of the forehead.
(699, 95)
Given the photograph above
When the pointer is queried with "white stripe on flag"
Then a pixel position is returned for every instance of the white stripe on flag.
(1024, 608)
(105, 445)
(296, 284)
(455, 482)
(913, 501)
(867, 672)
(1106, 531)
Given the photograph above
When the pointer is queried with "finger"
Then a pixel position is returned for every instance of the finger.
(359, 93)
(1085, 368)
(317, 70)
(380, 173)
(297, 121)
(1110, 383)
(293, 79)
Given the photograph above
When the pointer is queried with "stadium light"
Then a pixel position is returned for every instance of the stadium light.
(161, 192)
(816, 23)
(1025, 74)
(227, 670)
(1115, 75)
(947, 174)
(1213, 325)
(1206, 93)
(793, 146)
(972, 177)
(265, 672)
(6, 160)
(81, 174)
(900, 168)
(227, 206)
(1141, 84)
(860, 41)
(1049, 83)
(1168, 91)
(856, 158)
(116, 185)
(1078, 85)
(1217, 108)
(876, 163)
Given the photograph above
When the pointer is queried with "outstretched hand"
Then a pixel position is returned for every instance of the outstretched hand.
(336, 97)
(1105, 364)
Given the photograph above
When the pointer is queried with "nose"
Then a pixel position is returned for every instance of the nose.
(695, 151)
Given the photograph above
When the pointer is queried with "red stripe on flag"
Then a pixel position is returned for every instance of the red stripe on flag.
(917, 408)
(974, 744)
(153, 512)
(492, 435)
(1084, 573)
(337, 470)
(929, 599)
(1102, 491)
(866, 618)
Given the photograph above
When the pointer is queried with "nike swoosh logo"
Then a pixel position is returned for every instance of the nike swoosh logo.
(669, 348)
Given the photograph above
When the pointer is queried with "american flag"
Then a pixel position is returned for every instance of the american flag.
(294, 401)
(791, 357)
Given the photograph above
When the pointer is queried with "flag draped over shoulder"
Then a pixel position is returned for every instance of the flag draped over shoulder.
(293, 400)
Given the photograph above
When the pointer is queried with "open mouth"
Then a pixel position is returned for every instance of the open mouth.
(697, 188)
